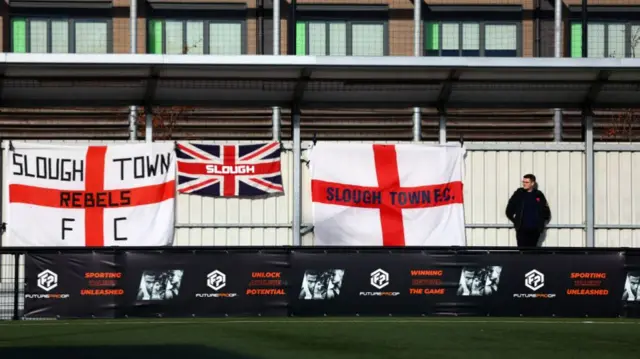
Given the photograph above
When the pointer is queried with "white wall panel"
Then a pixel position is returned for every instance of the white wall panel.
(617, 198)
(491, 177)
(617, 238)
(553, 237)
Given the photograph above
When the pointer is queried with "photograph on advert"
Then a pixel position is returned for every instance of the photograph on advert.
(630, 286)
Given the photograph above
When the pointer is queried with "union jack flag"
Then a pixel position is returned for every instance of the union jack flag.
(229, 170)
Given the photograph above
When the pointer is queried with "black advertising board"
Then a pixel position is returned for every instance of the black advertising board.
(504, 284)
(155, 284)
(73, 285)
(530, 284)
(354, 284)
(366, 283)
(308, 282)
(206, 284)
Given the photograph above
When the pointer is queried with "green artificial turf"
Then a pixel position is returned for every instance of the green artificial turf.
(310, 338)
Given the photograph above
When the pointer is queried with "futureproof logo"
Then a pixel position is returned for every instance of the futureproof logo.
(47, 280)
(379, 279)
(216, 280)
(534, 280)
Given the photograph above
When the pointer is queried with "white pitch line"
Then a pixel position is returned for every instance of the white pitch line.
(426, 321)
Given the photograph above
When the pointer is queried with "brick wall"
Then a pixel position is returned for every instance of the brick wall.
(400, 24)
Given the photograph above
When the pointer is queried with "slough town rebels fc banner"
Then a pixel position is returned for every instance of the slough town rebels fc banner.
(391, 195)
(116, 195)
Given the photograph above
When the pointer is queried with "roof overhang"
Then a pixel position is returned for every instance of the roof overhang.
(52, 80)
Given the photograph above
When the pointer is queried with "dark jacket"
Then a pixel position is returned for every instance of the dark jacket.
(515, 208)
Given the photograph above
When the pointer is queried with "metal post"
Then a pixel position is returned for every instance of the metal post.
(1, 201)
(417, 125)
(260, 25)
(443, 129)
(417, 51)
(589, 176)
(558, 29)
(557, 118)
(148, 128)
(297, 176)
(16, 285)
(276, 27)
(275, 121)
(291, 28)
(585, 33)
(133, 17)
(133, 114)
(275, 114)
(1, 197)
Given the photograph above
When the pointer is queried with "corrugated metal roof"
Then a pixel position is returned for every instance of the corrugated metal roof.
(317, 81)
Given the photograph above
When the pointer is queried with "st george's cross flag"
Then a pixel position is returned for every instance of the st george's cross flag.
(233, 170)
(387, 195)
(93, 196)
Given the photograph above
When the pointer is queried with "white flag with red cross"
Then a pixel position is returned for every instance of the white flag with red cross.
(93, 196)
(387, 195)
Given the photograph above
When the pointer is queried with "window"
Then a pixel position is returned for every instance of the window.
(212, 37)
(341, 38)
(60, 35)
(472, 39)
(606, 39)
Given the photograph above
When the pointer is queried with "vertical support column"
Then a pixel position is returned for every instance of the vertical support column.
(557, 115)
(275, 122)
(1, 198)
(133, 32)
(442, 133)
(133, 114)
(16, 286)
(585, 32)
(148, 126)
(417, 51)
(275, 111)
(587, 117)
(291, 27)
(297, 176)
(260, 27)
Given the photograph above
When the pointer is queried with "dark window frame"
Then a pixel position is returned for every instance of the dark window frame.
(482, 37)
(628, 24)
(349, 34)
(619, 14)
(349, 15)
(210, 17)
(71, 21)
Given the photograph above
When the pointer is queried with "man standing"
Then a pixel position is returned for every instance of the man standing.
(529, 211)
